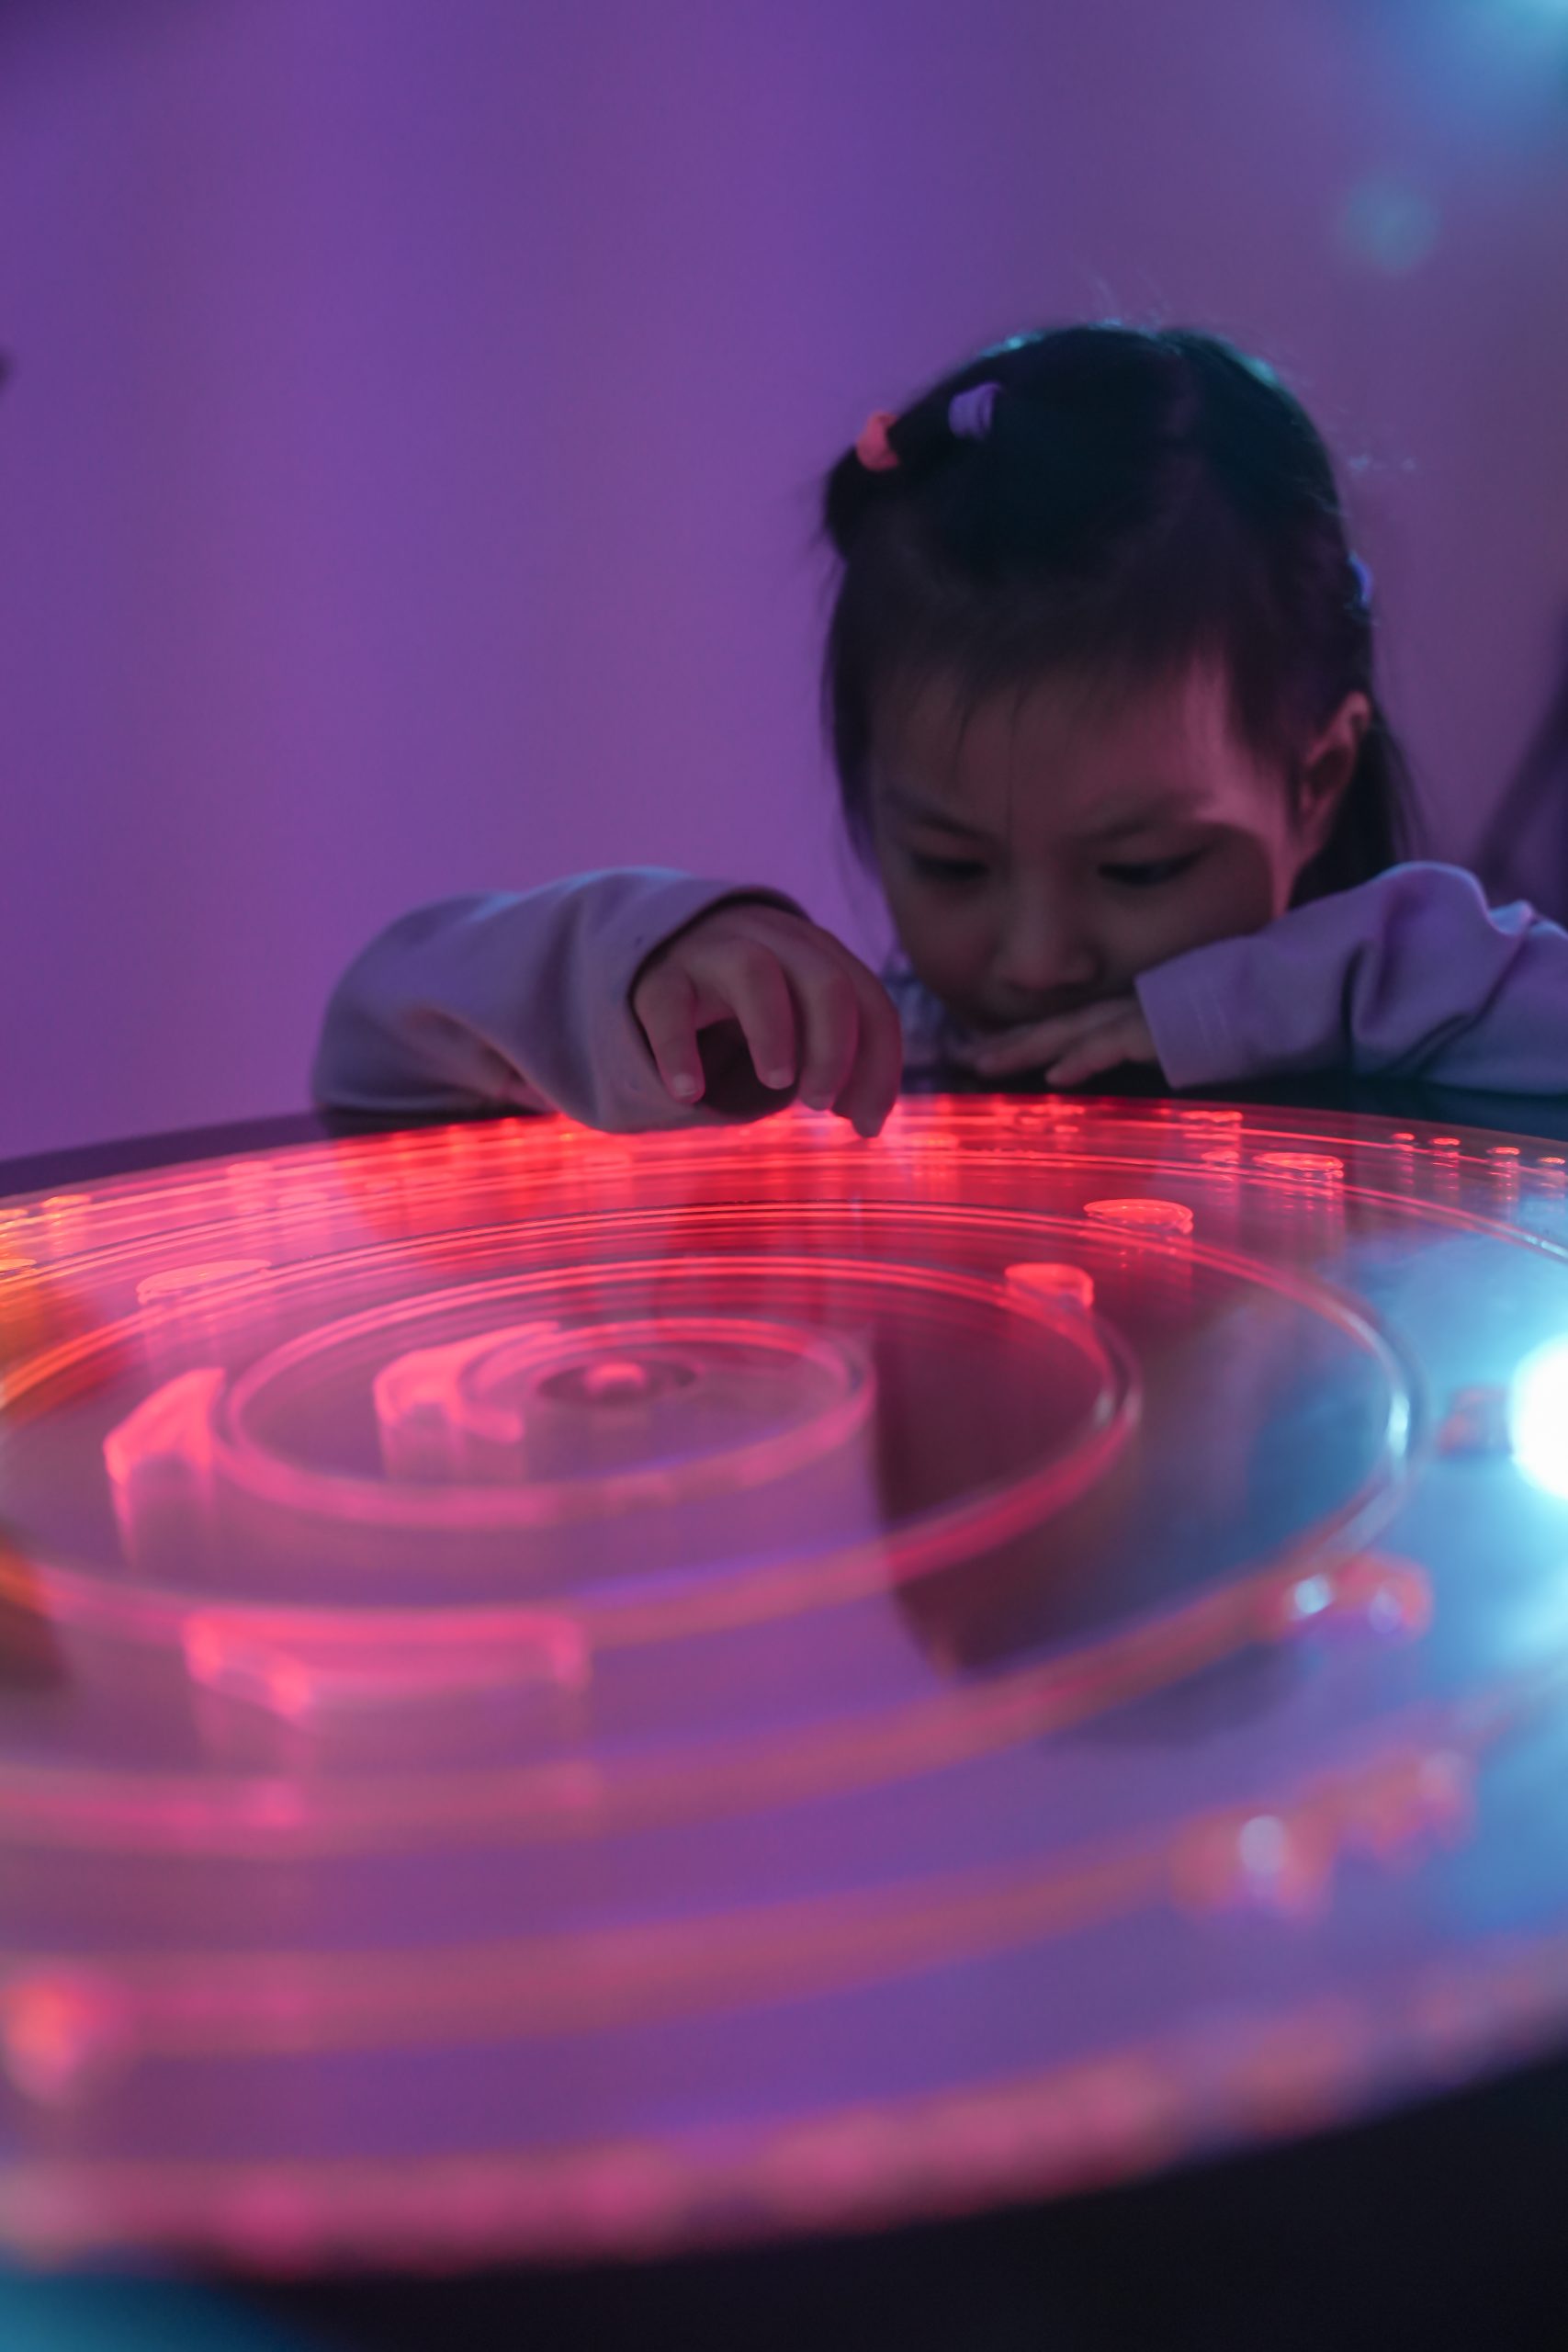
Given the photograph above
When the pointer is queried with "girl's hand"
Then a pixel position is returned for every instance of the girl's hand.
(811, 1016)
(1071, 1047)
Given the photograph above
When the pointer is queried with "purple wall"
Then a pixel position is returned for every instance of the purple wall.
(406, 482)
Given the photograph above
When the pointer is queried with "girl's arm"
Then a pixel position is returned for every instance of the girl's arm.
(519, 1001)
(1411, 974)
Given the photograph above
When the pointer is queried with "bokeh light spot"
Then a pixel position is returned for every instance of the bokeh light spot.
(1388, 225)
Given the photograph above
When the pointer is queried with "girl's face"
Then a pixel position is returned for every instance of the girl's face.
(1040, 856)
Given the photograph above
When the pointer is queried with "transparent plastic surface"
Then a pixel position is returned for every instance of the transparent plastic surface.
(563, 1694)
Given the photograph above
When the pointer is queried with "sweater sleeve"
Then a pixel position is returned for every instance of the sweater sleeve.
(517, 999)
(1411, 975)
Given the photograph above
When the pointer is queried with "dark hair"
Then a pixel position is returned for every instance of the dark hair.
(1141, 499)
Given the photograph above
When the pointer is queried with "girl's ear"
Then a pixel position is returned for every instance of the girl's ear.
(1326, 771)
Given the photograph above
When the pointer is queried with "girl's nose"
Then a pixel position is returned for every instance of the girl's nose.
(1044, 953)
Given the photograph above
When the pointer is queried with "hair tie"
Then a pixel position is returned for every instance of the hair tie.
(1363, 582)
(969, 413)
(874, 449)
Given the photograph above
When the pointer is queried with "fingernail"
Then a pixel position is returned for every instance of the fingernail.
(684, 1087)
(778, 1078)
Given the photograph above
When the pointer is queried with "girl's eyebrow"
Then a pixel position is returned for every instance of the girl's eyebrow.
(924, 812)
(1168, 810)
(1142, 820)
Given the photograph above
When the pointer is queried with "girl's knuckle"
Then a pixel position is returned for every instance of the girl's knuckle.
(750, 964)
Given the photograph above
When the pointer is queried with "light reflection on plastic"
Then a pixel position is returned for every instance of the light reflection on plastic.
(998, 1189)
(190, 1282)
(1392, 1810)
(1370, 1590)
(1539, 1418)
(307, 1682)
(1141, 1216)
(1304, 1166)
(1389, 1809)
(1063, 1285)
(159, 1460)
(61, 2034)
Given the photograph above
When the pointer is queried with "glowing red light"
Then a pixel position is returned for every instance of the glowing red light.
(695, 1622)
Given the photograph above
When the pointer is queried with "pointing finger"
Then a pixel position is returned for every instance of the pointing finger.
(873, 1085)
(758, 994)
(666, 1006)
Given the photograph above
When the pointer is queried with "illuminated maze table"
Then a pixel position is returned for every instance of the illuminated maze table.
(562, 1694)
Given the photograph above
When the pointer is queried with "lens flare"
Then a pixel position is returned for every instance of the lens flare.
(1539, 1418)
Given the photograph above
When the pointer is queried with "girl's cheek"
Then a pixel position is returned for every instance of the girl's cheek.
(1249, 887)
(947, 944)
(1232, 893)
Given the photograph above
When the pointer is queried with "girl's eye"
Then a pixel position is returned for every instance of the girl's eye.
(1150, 875)
(947, 869)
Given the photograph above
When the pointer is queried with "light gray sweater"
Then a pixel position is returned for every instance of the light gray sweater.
(524, 999)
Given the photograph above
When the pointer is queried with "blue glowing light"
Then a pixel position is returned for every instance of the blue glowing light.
(1538, 1417)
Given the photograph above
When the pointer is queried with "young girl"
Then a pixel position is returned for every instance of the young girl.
(1100, 687)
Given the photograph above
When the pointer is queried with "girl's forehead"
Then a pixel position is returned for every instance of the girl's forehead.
(1105, 748)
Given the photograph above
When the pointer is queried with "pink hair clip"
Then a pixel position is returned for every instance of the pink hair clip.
(872, 448)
